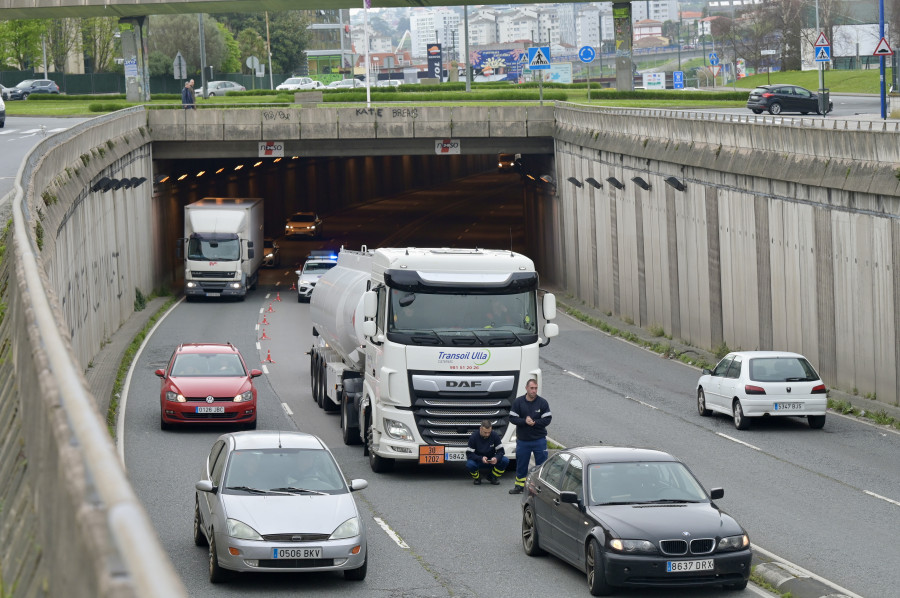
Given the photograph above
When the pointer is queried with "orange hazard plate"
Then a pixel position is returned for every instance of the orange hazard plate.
(431, 455)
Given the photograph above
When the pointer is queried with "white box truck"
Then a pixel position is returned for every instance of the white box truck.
(222, 246)
(416, 347)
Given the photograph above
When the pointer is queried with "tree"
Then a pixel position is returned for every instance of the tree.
(160, 64)
(180, 33)
(289, 37)
(20, 42)
(62, 40)
(232, 62)
(100, 42)
(251, 43)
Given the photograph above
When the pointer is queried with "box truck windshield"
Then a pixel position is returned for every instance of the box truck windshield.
(214, 248)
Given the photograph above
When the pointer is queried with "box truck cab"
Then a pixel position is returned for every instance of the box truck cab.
(222, 246)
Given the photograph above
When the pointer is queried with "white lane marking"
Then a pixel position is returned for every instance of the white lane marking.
(265, 369)
(641, 402)
(882, 497)
(393, 535)
(30, 131)
(810, 574)
(123, 399)
(268, 295)
(573, 374)
(287, 409)
(257, 327)
(732, 439)
(261, 309)
(258, 346)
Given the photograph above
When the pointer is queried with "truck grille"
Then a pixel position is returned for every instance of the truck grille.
(208, 274)
(449, 407)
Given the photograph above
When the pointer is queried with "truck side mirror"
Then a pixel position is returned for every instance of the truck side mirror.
(370, 304)
(549, 306)
(250, 252)
(551, 330)
(369, 328)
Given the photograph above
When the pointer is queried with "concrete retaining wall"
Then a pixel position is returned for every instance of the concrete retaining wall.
(786, 236)
(70, 522)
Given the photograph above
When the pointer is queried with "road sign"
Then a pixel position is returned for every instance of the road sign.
(586, 54)
(823, 53)
(768, 52)
(715, 70)
(883, 49)
(822, 40)
(179, 66)
(539, 58)
(252, 63)
(678, 79)
(713, 58)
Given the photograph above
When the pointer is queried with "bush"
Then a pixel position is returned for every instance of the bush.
(57, 97)
(107, 106)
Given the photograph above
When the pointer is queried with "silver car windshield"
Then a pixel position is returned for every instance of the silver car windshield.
(284, 470)
(646, 482)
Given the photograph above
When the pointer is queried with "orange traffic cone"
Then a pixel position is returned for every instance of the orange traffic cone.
(293, 287)
(277, 296)
(265, 321)
(264, 337)
(268, 358)
(270, 310)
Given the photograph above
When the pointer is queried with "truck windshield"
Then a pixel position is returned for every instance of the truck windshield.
(462, 319)
(214, 250)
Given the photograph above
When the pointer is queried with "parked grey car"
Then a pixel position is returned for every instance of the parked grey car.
(271, 501)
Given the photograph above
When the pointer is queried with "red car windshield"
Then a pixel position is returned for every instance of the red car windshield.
(208, 364)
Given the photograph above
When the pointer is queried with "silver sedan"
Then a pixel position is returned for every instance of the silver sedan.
(277, 502)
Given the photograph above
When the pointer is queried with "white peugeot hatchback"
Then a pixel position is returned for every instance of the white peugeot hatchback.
(751, 384)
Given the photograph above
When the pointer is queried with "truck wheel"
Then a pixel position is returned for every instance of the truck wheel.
(350, 433)
(320, 386)
(312, 374)
(378, 464)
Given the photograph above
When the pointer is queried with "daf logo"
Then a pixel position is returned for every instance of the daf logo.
(210, 399)
(463, 383)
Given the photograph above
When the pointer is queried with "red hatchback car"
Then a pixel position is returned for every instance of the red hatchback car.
(207, 383)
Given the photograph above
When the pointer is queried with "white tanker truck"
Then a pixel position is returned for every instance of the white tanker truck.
(416, 347)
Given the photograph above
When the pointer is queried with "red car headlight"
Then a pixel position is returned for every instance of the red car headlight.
(244, 397)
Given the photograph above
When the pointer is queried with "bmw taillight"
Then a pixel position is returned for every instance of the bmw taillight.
(754, 390)
(818, 390)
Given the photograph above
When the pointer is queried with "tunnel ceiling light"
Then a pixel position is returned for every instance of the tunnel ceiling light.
(182, 177)
(673, 182)
(257, 164)
(294, 157)
(530, 177)
(575, 182)
(161, 178)
(277, 160)
(239, 166)
(640, 183)
(220, 170)
(615, 182)
(593, 182)
(201, 173)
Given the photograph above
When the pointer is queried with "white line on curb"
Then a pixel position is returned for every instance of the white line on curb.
(732, 439)
(803, 571)
(287, 409)
(573, 374)
(387, 529)
(882, 497)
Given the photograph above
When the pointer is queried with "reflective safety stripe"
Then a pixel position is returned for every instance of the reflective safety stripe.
(475, 475)
(520, 481)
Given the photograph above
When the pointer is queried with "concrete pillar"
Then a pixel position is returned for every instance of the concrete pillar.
(623, 38)
(133, 32)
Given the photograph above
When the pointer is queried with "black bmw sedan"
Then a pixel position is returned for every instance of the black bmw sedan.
(632, 517)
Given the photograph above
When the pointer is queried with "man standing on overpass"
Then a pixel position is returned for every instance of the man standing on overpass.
(531, 415)
(187, 96)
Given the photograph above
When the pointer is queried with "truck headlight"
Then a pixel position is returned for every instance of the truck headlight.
(190, 285)
(244, 396)
(397, 431)
(235, 285)
(174, 396)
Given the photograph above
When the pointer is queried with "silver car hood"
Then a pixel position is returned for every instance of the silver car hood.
(294, 514)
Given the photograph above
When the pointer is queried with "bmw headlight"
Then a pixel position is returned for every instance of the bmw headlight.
(244, 396)
(174, 396)
(241, 531)
(734, 542)
(397, 431)
(348, 529)
(632, 546)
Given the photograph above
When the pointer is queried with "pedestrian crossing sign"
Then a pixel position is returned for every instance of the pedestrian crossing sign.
(823, 53)
(539, 58)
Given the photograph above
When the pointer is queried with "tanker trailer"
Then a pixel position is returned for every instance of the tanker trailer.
(416, 347)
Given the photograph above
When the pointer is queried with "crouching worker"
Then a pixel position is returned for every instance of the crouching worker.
(485, 451)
